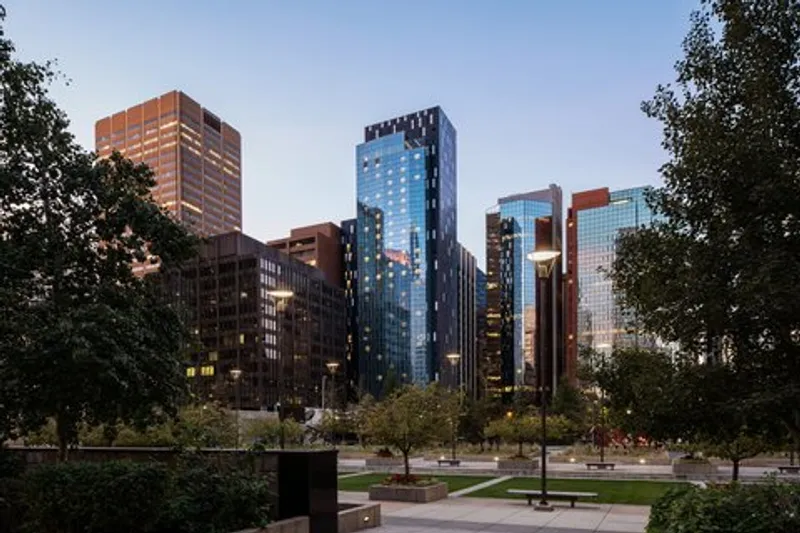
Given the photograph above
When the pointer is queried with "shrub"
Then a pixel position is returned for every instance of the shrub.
(207, 498)
(771, 507)
(194, 497)
(98, 497)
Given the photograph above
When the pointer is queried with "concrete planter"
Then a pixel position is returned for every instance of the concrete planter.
(408, 493)
(690, 469)
(518, 465)
(359, 517)
(298, 524)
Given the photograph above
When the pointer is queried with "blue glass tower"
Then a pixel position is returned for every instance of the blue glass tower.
(511, 236)
(407, 248)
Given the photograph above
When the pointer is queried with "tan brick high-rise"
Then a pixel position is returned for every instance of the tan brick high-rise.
(196, 158)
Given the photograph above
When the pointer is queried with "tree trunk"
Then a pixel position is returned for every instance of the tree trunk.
(736, 469)
(405, 464)
(519, 452)
(482, 447)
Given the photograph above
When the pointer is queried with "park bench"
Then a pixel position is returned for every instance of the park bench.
(600, 466)
(450, 462)
(572, 497)
(789, 469)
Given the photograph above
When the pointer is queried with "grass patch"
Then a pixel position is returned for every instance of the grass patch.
(454, 483)
(611, 491)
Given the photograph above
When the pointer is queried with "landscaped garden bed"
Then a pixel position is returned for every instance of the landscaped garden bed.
(408, 488)
(362, 483)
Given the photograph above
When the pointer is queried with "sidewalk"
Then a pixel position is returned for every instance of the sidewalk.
(504, 516)
(557, 469)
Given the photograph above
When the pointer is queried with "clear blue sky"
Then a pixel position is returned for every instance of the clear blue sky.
(540, 91)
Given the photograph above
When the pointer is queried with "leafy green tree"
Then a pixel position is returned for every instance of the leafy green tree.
(205, 426)
(718, 272)
(82, 339)
(570, 402)
(409, 419)
(266, 432)
(517, 428)
(360, 414)
(475, 420)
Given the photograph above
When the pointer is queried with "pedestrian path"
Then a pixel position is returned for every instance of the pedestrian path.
(492, 515)
(479, 486)
(354, 474)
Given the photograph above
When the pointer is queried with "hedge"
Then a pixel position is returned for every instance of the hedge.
(108, 497)
(770, 507)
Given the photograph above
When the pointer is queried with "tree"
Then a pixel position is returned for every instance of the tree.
(205, 426)
(266, 432)
(474, 421)
(409, 419)
(570, 402)
(516, 428)
(82, 339)
(718, 272)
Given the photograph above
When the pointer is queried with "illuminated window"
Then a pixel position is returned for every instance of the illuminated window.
(191, 372)
(207, 370)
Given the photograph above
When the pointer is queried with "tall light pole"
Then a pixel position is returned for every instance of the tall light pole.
(236, 374)
(602, 411)
(544, 260)
(281, 298)
(332, 366)
(454, 359)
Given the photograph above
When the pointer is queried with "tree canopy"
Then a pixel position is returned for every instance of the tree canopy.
(718, 273)
(81, 337)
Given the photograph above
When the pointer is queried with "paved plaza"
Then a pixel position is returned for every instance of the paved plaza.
(622, 471)
(504, 516)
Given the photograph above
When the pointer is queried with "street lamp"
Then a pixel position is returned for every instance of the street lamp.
(332, 366)
(544, 260)
(281, 297)
(236, 374)
(604, 347)
(454, 358)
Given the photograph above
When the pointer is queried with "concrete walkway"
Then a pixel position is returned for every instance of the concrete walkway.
(576, 470)
(479, 486)
(504, 516)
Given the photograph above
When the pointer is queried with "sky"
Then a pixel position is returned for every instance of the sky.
(539, 91)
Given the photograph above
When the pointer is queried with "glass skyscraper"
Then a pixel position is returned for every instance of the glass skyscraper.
(511, 282)
(595, 222)
(407, 258)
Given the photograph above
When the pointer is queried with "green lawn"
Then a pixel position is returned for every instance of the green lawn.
(454, 483)
(611, 491)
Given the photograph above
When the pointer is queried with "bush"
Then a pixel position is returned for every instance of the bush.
(195, 497)
(112, 496)
(733, 508)
(206, 498)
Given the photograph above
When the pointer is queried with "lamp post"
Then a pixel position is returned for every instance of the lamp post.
(236, 374)
(454, 359)
(604, 347)
(332, 366)
(544, 260)
(281, 298)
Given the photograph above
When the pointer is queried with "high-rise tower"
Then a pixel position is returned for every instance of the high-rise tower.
(407, 249)
(511, 288)
(196, 158)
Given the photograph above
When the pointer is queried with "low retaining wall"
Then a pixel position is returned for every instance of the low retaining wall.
(406, 493)
(299, 524)
(518, 466)
(694, 470)
(385, 462)
(360, 517)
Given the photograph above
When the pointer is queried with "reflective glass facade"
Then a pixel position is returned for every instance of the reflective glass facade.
(407, 250)
(597, 220)
(511, 282)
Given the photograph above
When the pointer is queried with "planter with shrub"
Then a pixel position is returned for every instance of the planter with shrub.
(693, 467)
(408, 488)
(771, 507)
